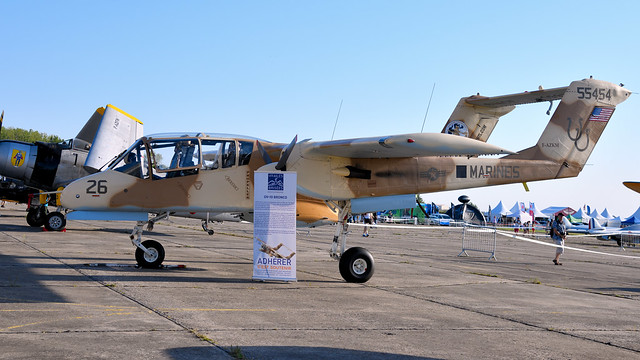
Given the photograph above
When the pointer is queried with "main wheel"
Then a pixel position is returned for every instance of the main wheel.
(356, 265)
(36, 217)
(152, 260)
(55, 221)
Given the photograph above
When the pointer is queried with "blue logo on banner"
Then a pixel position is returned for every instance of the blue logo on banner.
(275, 182)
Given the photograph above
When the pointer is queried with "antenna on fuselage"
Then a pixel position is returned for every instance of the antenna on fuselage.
(428, 105)
(336, 124)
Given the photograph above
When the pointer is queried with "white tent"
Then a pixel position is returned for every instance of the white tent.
(596, 214)
(580, 215)
(515, 209)
(605, 214)
(498, 211)
(516, 213)
(537, 213)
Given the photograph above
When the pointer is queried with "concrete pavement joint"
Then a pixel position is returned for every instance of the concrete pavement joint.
(92, 278)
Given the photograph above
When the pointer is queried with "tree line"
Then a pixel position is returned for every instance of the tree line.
(30, 135)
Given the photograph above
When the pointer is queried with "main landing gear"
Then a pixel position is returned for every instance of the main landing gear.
(355, 264)
(38, 216)
(149, 253)
(38, 212)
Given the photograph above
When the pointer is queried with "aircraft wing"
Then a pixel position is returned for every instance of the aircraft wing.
(400, 146)
(527, 97)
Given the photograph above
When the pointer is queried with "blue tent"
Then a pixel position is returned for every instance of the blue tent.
(633, 219)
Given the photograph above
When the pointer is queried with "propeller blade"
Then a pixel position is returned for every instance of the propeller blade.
(1, 118)
(282, 163)
(263, 153)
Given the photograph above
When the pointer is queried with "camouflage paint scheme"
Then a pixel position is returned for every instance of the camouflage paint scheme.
(387, 165)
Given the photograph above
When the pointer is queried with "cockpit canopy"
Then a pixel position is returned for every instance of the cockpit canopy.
(161, 158)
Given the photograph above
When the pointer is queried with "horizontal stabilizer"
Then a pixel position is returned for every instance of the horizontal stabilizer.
(633, 185)
(401, 146)
(527, 97)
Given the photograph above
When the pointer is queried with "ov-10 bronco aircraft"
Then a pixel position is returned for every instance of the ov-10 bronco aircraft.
(173, 173)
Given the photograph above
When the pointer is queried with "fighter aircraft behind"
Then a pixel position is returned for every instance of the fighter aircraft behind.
(163, 174)
(48, 166)
(605, 232)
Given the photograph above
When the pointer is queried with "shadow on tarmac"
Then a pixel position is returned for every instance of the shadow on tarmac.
(288, 352)
(615, 289)
(21, 228)
(20, 284)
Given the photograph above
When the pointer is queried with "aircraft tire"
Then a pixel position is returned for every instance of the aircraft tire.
(153, 261)
(36, 217)
(55, 221)
(356, 265)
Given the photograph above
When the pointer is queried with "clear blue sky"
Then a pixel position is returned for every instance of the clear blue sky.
(274, 69)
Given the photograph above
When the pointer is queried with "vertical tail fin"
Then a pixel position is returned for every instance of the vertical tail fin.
(88, 131)
(594, 224)
(576, 125)
(116, 132)
(475, 121)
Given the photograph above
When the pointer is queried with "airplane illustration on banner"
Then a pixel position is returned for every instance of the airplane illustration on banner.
(207, 172)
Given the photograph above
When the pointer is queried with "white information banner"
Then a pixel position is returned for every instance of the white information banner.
(274, 226)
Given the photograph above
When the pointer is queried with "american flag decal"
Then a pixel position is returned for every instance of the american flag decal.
(601, 114)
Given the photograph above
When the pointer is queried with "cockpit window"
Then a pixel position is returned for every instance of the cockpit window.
(218, 154)
(181, 156)
(66, 144)
(174, 157)
(133, 162)
(246, 148)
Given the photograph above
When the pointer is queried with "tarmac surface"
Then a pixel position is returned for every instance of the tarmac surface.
(422, 302)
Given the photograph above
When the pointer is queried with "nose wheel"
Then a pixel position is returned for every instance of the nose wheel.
(356, 265)
(153, 257)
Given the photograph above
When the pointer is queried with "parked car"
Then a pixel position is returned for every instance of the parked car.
(439, 219)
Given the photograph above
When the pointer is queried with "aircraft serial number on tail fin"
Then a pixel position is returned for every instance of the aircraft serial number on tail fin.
(593, 93)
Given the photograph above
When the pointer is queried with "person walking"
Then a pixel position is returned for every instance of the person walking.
(559, 234)
(368, 219)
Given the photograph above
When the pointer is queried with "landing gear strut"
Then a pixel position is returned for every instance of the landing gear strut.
(355, 264)
(205, 225)
(150, 253)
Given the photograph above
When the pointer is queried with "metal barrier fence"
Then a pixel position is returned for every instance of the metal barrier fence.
(628, 240)
(476, 238)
